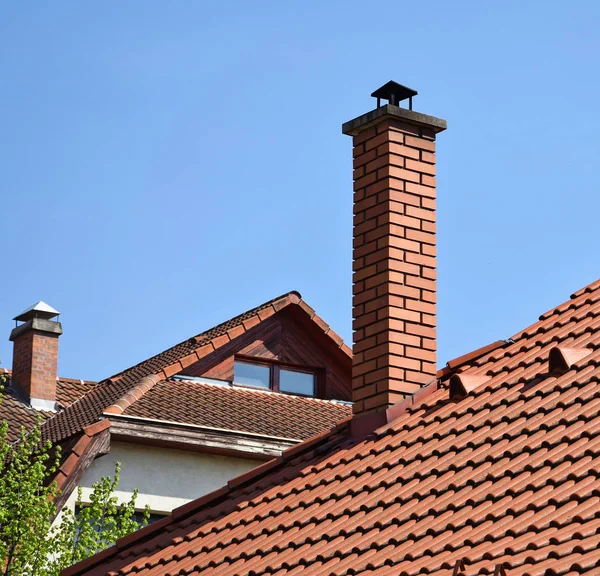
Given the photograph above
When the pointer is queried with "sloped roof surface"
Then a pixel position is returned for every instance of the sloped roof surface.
(69, 390)
(505, 480)
(242, 409)
(18, 413)
(172, 361)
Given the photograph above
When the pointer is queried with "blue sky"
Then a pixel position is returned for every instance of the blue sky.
(167, 165)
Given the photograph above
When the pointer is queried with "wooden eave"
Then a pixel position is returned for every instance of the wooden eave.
(197, 438)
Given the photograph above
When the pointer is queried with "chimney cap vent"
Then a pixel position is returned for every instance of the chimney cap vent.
(38, 310)
(394, 93)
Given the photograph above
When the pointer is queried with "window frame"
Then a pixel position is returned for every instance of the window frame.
(275, 367)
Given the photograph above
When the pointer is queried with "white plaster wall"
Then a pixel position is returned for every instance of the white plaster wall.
(166, 478)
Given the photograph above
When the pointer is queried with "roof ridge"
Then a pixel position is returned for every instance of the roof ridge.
(332, 334)
(287, 297)
(256, 315)
(133, 394)
(581, 293)
(380, 421)
(460, 361)
(591, 287)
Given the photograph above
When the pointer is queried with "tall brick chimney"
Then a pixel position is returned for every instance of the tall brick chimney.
(35, 355)
(394, 303)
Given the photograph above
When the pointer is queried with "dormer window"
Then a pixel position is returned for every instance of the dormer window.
(287, 379)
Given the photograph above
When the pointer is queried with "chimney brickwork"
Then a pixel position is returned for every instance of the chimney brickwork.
(35, 361)
(35, 355)
(394, 254)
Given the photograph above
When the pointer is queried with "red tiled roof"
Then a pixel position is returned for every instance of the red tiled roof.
(18, 413)
(124, 388)
(504, 479)
(69, 390)
(234, 408)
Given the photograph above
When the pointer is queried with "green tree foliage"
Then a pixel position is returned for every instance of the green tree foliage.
(32, 543)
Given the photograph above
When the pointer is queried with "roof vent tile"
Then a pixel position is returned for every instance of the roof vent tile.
(462, 384)
(562, 358)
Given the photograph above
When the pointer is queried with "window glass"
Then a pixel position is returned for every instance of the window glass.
(297, 382)
(252, 375)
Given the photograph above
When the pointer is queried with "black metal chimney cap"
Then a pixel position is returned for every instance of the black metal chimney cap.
(394, 93)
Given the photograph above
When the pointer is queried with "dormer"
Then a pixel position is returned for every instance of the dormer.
(292, 351)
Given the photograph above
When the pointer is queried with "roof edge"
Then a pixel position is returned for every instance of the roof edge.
(327, 330)
(120, 416)
(93, 438)
(475, 354)
(276, 304)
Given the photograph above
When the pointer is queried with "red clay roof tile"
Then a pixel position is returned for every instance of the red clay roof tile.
(241, 409)
(503, 479)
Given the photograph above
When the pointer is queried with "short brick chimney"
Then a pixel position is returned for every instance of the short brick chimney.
(35, 355)
(394, 304)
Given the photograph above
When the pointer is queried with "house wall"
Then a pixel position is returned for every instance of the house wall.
(166, 478)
